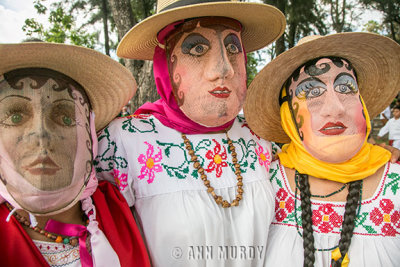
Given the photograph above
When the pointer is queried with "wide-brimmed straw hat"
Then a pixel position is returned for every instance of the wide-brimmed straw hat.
(375, 58)
(261, 24)
(108, 84)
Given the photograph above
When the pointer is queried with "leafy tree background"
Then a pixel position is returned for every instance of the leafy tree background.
(105, 22)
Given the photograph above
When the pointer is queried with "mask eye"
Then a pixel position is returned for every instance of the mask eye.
(15, 119)
(198, 50)
(315, 92)
(64, 115)
(232, 49)
(346, 88)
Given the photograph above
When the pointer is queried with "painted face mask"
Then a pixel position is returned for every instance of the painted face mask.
(327, 110)
(207, 69)
(45, 142)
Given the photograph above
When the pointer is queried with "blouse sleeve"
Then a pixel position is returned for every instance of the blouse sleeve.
(111, 162)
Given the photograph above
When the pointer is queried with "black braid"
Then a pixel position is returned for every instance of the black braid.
(348, 220)
(306, 216)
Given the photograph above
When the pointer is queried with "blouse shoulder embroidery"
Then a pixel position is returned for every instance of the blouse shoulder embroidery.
(378, 216)
(141, 123)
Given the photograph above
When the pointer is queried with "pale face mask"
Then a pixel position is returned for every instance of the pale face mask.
(45, 142)
(207, 69)
(328, 110)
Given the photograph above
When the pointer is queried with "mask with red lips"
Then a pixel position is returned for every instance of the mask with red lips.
(327, 109)
(45, 142)
(206, 63)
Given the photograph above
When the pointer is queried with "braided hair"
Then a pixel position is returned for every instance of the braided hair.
(306, 217)
(349, 220)
(347, 225)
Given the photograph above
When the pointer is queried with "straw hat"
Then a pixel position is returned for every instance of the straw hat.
(375, 58)
(262, 24)
(108, 84)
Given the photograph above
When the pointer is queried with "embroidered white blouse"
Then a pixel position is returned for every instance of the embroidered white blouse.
(182, 224)
(376, 236)
(59, 254)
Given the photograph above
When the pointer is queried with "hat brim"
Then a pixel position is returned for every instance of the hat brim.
(375, 58)
(262, 24)
(107, 83)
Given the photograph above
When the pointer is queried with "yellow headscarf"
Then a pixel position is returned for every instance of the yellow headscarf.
(365, 163)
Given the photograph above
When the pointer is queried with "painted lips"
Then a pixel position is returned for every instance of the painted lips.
(43, 166)
(333, 128)
(220, 92)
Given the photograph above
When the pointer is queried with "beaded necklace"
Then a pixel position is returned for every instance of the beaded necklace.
(73, 241)
(296, 179)
(210, 189)
(295, 208)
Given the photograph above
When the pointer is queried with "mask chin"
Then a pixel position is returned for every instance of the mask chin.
(336, 149)
(210, 119)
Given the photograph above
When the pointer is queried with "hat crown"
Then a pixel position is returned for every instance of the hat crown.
(163, 5)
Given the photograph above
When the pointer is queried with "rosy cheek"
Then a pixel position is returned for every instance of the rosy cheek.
(359, 121)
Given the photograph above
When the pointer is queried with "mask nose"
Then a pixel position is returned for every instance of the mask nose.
(219, 66)
(332, 106)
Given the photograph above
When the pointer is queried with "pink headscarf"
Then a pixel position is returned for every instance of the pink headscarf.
(166, 110)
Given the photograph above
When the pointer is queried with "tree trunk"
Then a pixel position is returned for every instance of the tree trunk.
(280, 43)
(105, 26)
(142, 70)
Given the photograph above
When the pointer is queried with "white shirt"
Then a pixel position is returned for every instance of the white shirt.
(181, 222)
(376, 236)
(392, 127)
(386, 112)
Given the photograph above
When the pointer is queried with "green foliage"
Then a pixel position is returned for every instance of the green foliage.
(251, 67)
(391, 16)
(62, 29)
(374, 27)
(143, 8)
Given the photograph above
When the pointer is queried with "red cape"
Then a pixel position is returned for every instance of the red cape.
(115, 220)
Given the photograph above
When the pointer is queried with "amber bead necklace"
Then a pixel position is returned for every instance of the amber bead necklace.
(210, 189)
(73, 241)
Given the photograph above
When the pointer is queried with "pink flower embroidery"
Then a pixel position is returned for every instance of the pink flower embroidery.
(264, 158)
(283, 205)
(326, 218)
(387, 215)
(120, 180)
(149, 163)
(216, 158)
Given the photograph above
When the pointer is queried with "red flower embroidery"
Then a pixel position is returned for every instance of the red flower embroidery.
(216, 158)
(387, 215)
(283, 205)
(326, 218)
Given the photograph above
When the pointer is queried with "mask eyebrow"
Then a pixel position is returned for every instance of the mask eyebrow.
(310, 79)
(20, 96)
(59, 100)
(192, 40)
(343, 74)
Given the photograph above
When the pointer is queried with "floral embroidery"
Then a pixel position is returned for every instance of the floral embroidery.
(387, 216)
(139, 123)
(120, 180)
(263, 158)
(107, 159)
(284, 205)
(149, 163)
(326, 218)
(393, 185)
(217, 159)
